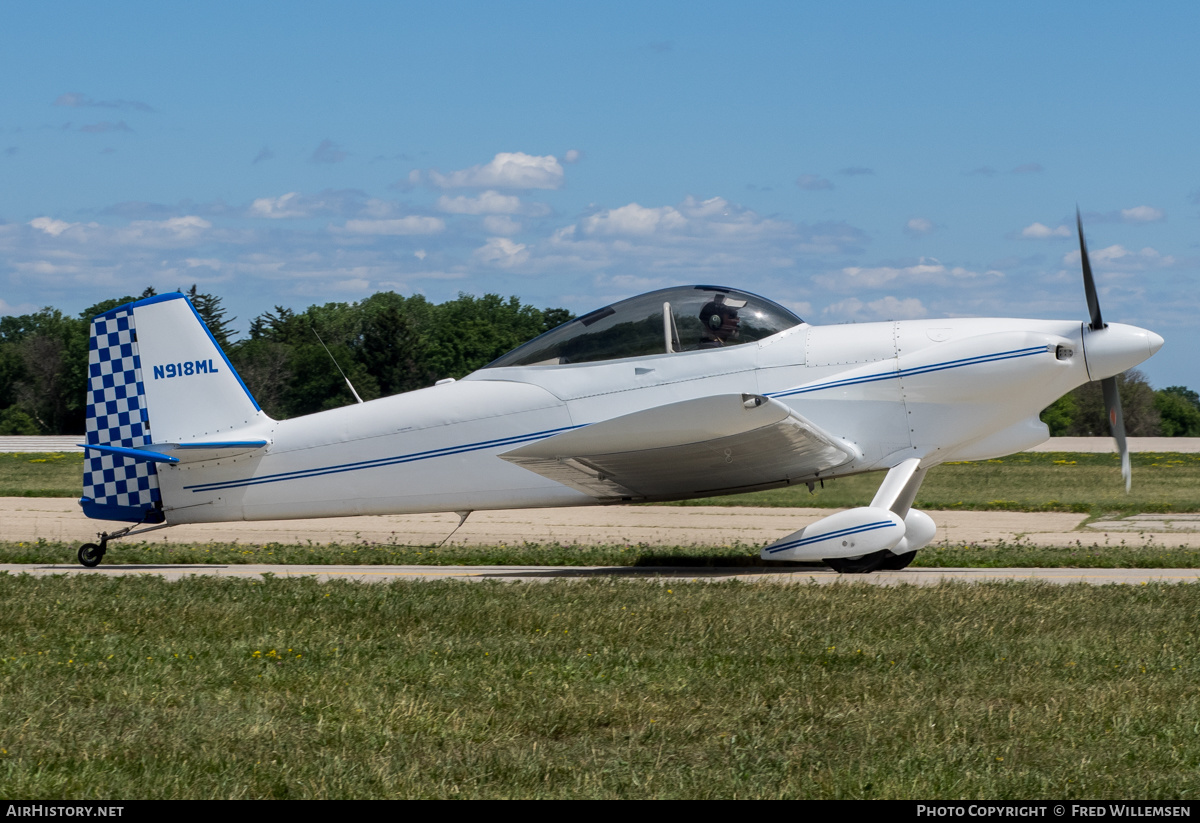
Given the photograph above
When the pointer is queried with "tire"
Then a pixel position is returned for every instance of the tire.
(896, 562)
(90, 555)
(858, 565)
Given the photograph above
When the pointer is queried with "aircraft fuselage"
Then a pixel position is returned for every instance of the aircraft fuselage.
(936, 390)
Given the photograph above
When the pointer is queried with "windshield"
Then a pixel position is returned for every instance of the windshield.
(684, 318)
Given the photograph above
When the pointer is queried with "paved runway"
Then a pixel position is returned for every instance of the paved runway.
(384, 574)
(59, 520)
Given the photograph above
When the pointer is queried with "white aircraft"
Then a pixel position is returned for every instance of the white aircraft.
(680, 393)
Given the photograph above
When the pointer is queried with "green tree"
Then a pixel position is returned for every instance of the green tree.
(1137, 406)
(13, 421)
(208, 306)
(1179, 410)
(1060, 414)
(43, 365)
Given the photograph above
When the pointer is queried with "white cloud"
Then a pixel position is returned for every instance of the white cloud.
(634, 220)
(800, 307)
(502, 252)
(44, 268)
(1120, 259)
(1142, 214)
(18, 308)
(572, 156)
(928, 270)
(285, 205)
(489, 202)
(886, 308)
(507, 170)
(338, 202)
(1137, 214)
(188, 227)
(398, 226)
(209, 262)
(500, 224)
(919, 225)
(1038, 231)
(51, 226)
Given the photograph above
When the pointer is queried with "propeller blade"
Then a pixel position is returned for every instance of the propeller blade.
(1116, 421)
(1089, 284)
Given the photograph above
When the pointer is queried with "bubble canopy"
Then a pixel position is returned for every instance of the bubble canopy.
(678, 319)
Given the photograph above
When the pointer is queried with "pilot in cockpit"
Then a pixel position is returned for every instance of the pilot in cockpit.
(719, 321)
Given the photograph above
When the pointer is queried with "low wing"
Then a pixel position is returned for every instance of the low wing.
(711, 445)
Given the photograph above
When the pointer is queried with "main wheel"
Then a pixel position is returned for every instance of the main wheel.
(896, 562)
(90, 555)
(857, 565)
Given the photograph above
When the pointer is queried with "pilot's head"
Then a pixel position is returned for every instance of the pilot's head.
(720, 319)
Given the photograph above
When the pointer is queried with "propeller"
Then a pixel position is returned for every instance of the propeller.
(1112, 397)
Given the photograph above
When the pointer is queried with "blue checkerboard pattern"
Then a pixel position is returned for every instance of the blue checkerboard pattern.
(116, 416)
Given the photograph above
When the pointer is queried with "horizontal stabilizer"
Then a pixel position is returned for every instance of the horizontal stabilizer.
(215, 450)
(710, 445)
(181, 452)
(143, 453)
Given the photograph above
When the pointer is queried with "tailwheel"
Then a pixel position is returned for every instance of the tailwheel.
(896, 562)
(858, 565)
(91, 554)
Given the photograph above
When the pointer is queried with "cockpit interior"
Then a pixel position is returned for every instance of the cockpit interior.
(667, 321)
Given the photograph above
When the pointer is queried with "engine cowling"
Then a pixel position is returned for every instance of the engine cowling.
(851, 533)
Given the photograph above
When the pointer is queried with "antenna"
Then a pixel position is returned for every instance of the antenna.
(335, 363)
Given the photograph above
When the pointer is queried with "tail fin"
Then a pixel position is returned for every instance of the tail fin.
(155, 376)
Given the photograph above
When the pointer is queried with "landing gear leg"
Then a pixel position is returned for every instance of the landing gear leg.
(90, 554)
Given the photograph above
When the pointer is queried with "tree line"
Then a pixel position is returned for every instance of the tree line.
(387, 344)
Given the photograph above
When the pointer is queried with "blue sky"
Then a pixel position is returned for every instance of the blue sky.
(854, 161)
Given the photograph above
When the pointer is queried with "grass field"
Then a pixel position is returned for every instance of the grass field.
(135, 687)
(1129, 553)
(1087, 483)
(53, 474)
(1030, 481)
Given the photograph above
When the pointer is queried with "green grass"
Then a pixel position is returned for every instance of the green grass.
(1085, 483)
(53, 474)
(1114, 552)
(1030, 481)
(217, 688)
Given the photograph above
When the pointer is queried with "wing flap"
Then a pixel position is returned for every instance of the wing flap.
(711, 445)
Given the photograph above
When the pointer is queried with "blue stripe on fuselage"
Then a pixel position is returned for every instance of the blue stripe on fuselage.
(447, 451)
(948, 364)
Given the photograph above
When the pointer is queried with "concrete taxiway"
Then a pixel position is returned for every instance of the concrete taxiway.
(531, 574)
(59, 520)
